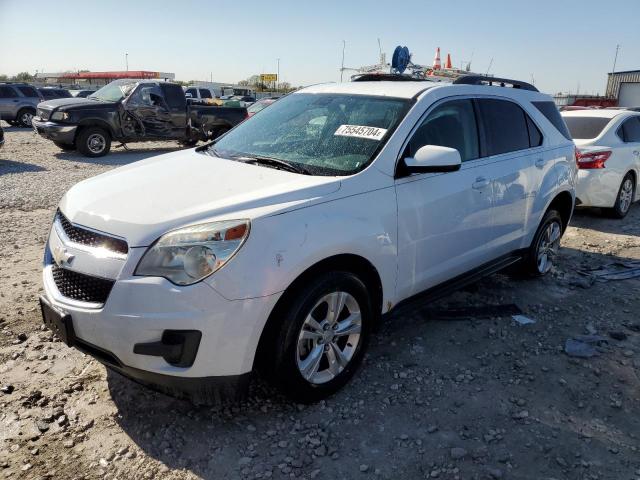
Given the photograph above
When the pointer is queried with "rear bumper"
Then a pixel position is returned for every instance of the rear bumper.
(597, 188)
(54, 131)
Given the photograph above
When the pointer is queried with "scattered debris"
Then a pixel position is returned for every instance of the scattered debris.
(583, 346)
(613, 271)
(618, 335)
(522, 320)
(483, 311)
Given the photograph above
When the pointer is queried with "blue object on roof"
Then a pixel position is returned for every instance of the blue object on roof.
(401, 58)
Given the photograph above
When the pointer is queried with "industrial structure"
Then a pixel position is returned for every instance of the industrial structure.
(97, 79)
(624, 87)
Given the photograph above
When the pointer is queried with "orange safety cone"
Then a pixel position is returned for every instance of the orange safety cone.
(436, 61)
(448, 64)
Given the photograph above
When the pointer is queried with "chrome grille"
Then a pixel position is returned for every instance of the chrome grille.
(81, 287)
(43, 113)
(91, 238)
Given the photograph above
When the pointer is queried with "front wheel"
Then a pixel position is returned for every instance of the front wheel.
(322, 338)
(93, 142)
(626, 193)
(545, 245)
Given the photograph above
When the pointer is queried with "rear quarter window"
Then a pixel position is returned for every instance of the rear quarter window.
(586, 127)
(629, 131)
(551, 112)
(28, 92)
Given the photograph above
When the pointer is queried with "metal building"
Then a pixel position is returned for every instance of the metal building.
(625, 86)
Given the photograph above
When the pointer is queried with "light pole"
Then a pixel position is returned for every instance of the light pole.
(126, 60)
(278, 76)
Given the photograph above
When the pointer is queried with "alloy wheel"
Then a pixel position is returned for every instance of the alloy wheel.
(626, 195)
(548, 246)
(26, 118)
(329, 337)
(96, 143)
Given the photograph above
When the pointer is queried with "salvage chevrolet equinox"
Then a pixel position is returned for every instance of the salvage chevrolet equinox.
(280, 245)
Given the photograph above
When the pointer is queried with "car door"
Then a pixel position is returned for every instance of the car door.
(177, 105)
(516, 168)
(148, 106)
(444, 219)
(629, 133)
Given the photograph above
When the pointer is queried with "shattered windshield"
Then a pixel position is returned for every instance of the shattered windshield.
(114, 91)
(327, 134)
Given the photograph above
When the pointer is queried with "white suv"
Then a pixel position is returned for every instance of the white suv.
(280, 245)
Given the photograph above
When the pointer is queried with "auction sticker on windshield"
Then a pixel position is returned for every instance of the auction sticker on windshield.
(359, 131)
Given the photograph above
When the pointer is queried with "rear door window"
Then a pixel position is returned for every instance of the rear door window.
(586, 127)
(505, 126)
(28, 92)
(173, 95)
(204, 93)
(451, 124)
(7, 92)
(551, 112)
(535, 136)
(630, 130)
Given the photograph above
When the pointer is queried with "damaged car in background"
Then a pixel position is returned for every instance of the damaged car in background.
(131, 111)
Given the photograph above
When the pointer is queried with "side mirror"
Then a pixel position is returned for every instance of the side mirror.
(433, 158)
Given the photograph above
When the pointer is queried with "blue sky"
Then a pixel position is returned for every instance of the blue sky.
(562, 43)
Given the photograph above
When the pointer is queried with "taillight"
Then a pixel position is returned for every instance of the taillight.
(590, 160)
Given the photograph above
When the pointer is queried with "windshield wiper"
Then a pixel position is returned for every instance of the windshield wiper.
(273, 162)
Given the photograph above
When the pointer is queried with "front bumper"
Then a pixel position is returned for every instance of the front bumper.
(140, 310)
(54, 131)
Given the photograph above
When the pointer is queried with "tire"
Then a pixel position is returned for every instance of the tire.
(624, 199)
(65, 146)
(545, 245)
(24, 117)
(93, 142)
(290, 354)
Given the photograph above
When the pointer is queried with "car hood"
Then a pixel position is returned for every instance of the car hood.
(144, 200)
(74, 104)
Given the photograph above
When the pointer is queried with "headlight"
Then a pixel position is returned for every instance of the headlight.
(188, 255)
(60, 116)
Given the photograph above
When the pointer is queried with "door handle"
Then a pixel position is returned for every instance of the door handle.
(540, 162)
(480, 183)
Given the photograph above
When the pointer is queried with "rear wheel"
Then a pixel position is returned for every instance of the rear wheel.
(65, 146)
(545, 245)
(322, 338)
(25, 116)
(93, 142)
(626, 193)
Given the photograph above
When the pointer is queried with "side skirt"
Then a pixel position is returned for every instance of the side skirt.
(442, 290)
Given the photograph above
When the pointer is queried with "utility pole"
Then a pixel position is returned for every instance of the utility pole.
(344, 44)
(615, 59)
(126, 60)
(278, 76)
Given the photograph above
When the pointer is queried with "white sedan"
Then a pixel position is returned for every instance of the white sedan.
(608, 156)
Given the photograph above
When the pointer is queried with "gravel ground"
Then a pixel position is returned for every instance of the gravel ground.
(471, 398)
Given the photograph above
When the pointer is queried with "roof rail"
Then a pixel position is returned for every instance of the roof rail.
(386, 77)
(500, 82)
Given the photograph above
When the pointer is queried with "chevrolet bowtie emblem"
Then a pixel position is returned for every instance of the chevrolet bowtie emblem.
(61, 256)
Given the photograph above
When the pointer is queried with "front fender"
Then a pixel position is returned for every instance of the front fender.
(281, 247)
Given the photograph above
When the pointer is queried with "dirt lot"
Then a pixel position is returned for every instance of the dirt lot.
(466, 398)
